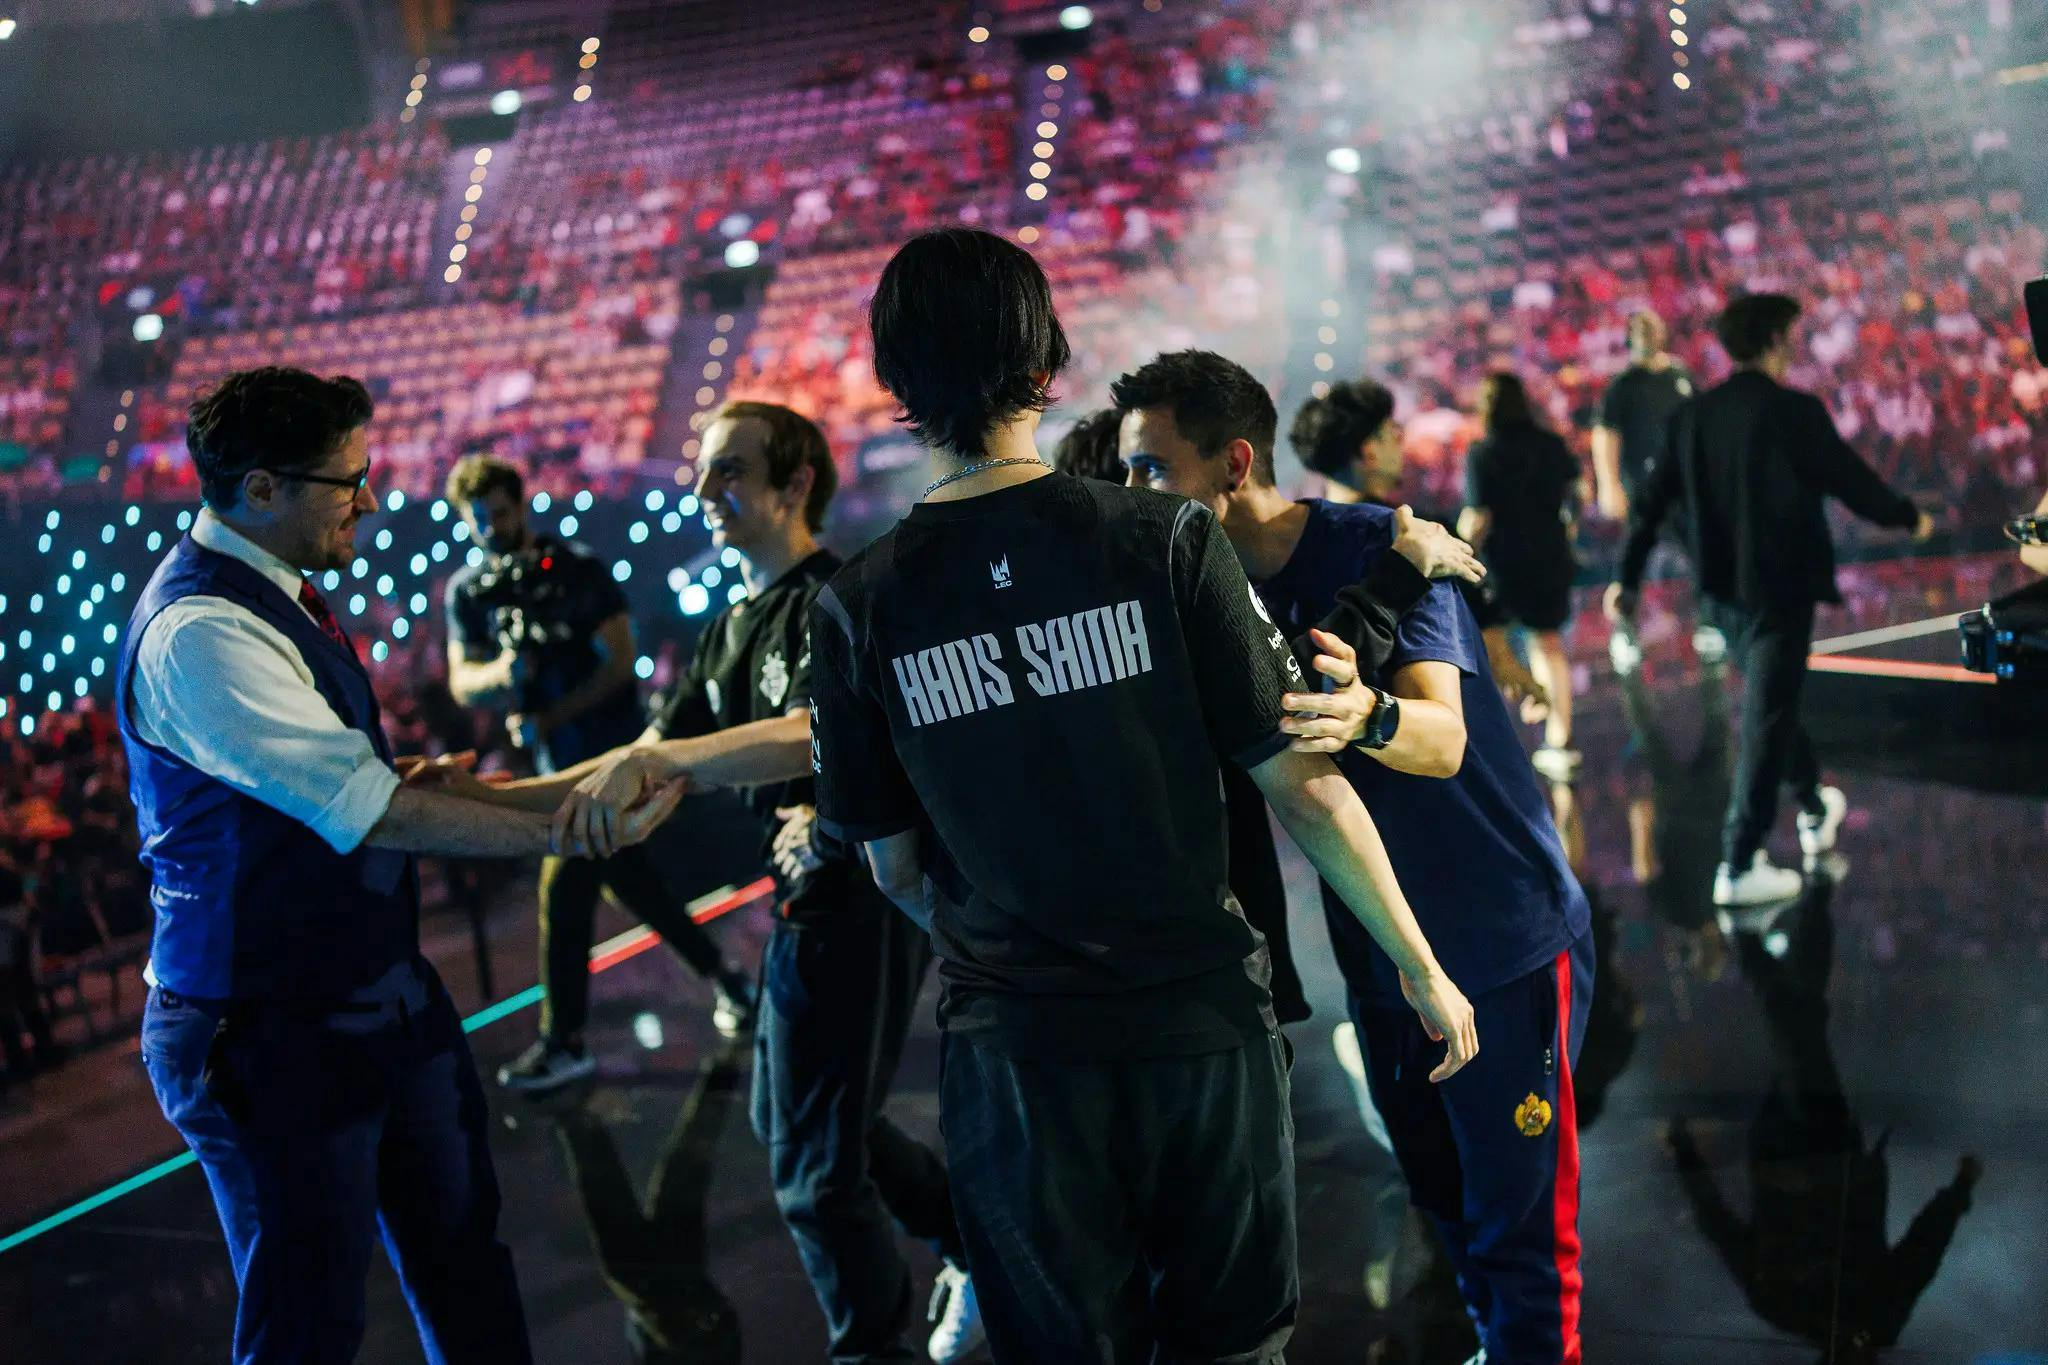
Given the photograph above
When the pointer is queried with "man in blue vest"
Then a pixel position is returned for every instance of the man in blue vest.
(294, 1035)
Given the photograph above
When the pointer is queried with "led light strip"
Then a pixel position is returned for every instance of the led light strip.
(603, 957)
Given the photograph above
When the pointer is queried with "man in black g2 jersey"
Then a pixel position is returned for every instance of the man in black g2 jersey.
(841, 973)
(1021, 698)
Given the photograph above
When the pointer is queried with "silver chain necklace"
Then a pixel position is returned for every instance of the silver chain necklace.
(937, 484)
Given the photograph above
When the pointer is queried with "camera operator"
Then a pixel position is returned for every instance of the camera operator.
(540, 629)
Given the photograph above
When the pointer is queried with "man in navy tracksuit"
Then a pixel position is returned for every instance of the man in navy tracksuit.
(294, 1035)
(1491, 1153)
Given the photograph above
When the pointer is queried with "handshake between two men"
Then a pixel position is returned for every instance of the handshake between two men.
(619, 803)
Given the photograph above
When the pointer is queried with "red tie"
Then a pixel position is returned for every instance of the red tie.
(316, 606)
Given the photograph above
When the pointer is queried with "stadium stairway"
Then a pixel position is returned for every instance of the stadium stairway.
(690, 387)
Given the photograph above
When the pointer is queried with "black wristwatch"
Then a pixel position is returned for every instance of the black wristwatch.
(1384, 721)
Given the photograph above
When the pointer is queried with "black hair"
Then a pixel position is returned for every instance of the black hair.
(270, 418)
(963, 324)
(1214, 401)
(1504, 402)
(1328, 432)
(1088, 450)
(1753, 324)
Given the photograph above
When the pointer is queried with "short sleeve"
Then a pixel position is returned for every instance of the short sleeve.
(799, 696)
(687, 712)
(863, 792)
(469, 626)
(1439, 629)
(1479, 490)
(1243, 664)
(1610, 413)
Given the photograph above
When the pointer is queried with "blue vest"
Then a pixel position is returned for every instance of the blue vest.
(250, 903)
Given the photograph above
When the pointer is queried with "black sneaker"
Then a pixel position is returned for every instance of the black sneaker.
(546, 1065)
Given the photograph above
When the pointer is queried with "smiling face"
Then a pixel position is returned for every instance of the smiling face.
(308, 524)
(1158, 456)
(741, 504)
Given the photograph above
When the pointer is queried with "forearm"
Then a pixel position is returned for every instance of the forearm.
(1607, 490)
(761, 751)
(1430, 742)
(480, 684)
(1324, 816)
(419, 821)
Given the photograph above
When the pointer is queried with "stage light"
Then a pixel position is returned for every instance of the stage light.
(671, 523)
(977, 34)
(412, 99)
(1034, 191)
(687, 504)
(1041, 150)
(356, 604)
(1039, 170)
(56, 701)
(7, 27)
(741, 254)
(475, 555)
(1055, 72)
(1680, 37)
(69, 645)
(643, 667)
(419, 565)
(735, 224)
(379, 652)
(63, 584)
(141, 297)
(1325, 361)
(694, 600)
(1344, 160)
(506, 103)
(621, 571)
(120, 582)
(712, 369)
(400, 628)
(1074, 18)
(99, 668)
(461, 531)
(148, 327)
(712, 576)
(584, 500)
(440, 551)
(717, 346)
(1027, 234)
(1321, 388)
(655, 499)
(132, 515)
(1327, 335)
(385, 583)
(360, 568)
(582, 93)
(35, 604)
(541, 502)
(331, 580)
(1681, 80)
(98, 594)
(457, 252)
(49, 666)
(637, 533)
(384, 539)
(85, 611)
(452, 274)
(28, 725)
(591, 44)
(706, 396)
(473, 193)
(570, 525)
(43, 543)
(50, 522)
(1331, 308)
(729, 557)
(418, 603)
(395, 501)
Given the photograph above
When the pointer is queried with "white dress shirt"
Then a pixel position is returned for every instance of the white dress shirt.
(227, 692)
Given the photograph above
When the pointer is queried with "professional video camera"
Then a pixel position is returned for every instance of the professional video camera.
(536, 606)
(2008, 637)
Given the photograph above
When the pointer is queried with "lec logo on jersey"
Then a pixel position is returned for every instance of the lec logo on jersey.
(999, 572)
(1532, 1116)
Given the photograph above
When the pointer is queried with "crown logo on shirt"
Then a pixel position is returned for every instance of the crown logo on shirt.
(1000, 572)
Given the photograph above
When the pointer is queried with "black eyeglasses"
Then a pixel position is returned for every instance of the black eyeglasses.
(354, 483)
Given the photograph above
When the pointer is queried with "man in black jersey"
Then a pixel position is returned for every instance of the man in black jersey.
(842, 970)
(1022, 695)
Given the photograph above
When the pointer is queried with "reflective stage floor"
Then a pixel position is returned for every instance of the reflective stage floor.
(1813, 1133)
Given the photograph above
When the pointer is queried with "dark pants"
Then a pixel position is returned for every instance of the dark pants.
(1131, 1211)
(569, 889)
(315, 1132)
(1492, 1154)
(837, 996)
(1770, 647)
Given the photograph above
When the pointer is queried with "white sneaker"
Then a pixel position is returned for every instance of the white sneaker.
(1711, 644)
(1624, 653)
(958, 1333)
(1762, 883)
(1556, 765)
(546, 1065)
(1817, 833)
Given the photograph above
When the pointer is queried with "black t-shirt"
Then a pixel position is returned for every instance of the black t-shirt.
(567, 589)
(753, 662)
(1637, 407)
(1526, 477)
(1043, 681)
